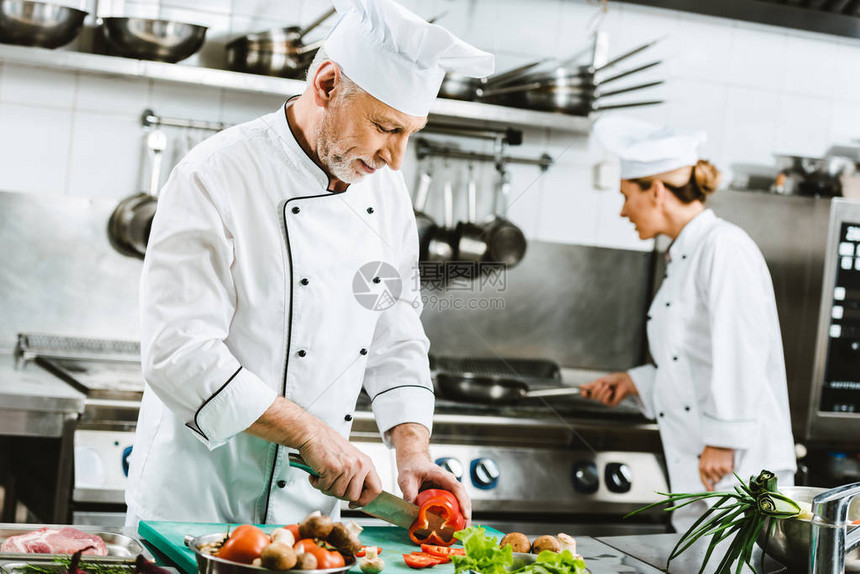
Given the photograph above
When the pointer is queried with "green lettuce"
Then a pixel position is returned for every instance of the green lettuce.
(483, 555)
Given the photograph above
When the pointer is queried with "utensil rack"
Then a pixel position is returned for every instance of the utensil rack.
(150, 119)
(425, 148)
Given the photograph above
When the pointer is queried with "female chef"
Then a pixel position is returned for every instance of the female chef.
(717, 385)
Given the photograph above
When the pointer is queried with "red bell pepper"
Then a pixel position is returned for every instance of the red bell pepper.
(443, 504)
(442, 551)
(419, 561)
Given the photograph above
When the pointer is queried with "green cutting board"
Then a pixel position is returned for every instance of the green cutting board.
(169, 539)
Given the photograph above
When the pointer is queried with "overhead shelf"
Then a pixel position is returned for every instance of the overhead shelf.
(473, 113)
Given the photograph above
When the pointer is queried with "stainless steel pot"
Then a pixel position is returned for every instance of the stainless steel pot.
(461, 87)
(209, 564)
(442, 245)
(425, 224)
(471, 237)
(278, 52)
(151, 39)
(790, 541)
(40, 24)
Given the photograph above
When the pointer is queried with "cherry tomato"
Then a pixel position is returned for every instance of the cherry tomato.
(245, 544)
(442, 551)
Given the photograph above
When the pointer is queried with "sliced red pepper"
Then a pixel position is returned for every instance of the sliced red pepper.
(442, 551)
(363, 551)
(857, 522)
(418, 562)
(441, 559)
(441, 503)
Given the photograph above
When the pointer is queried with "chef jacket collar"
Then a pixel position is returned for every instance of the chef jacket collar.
(691, 235)
(281, 127)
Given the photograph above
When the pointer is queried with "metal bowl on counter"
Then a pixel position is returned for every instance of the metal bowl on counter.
(209, 564)
(29, 23)
(789, 543)
(151, 39)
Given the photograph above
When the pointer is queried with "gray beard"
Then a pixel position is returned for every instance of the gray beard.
(337, 165)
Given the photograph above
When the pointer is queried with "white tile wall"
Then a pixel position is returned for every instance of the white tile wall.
(755, 89)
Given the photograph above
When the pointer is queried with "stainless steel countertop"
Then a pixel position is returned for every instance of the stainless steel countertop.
(654, 549)
(34, 389)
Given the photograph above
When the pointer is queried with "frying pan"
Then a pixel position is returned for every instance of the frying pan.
(461, 87)
(506, 242)
(492, 389)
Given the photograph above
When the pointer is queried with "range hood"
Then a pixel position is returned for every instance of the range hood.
(838, 17)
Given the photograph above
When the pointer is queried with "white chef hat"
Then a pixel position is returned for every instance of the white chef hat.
(647, 149)
(396, 56)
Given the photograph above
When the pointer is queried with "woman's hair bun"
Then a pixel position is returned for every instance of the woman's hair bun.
(707, 176)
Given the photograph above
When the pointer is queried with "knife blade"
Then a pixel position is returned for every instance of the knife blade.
(387, 507)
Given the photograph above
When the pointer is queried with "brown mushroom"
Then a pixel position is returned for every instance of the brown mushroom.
(278, 556)
(315, 527)
(306, 561)
(545, 542)
(343, 540)
(518, 542)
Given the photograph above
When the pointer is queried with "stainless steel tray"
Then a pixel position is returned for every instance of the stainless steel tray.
(121, 548)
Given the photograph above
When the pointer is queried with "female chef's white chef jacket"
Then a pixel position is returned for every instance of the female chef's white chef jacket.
(248, 293)
(719, 373)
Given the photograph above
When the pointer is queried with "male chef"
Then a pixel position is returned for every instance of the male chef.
(259, 323)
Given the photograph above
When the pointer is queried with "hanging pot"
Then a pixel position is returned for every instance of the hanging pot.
(506, 242)
(442, 245)
(471, 237)
(461, 87)
(278, 52)
(425, 224)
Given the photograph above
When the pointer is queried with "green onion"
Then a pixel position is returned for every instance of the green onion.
(741, 513)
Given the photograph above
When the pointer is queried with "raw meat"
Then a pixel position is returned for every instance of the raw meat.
(55, 541)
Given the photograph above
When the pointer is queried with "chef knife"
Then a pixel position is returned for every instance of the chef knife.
(386, 506)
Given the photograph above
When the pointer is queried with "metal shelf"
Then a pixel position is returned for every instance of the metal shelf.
(472, 113)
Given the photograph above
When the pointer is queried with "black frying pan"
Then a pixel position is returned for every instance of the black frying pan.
(491, 389)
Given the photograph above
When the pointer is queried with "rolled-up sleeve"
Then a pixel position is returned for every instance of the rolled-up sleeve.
(187, 304)
(397, 376)
(741, 310)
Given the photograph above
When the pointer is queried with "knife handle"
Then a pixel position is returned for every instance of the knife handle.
(297, 461)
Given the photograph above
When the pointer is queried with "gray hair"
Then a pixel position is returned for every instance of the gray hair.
(348, 87)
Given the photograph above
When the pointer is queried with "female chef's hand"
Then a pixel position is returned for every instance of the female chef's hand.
(715, 463)
(610, 389)
(344, 471)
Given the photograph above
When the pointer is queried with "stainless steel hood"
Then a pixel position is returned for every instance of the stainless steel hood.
(838, 17)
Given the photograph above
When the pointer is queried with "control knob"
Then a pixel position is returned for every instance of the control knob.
(618, 477)
(585, 477)
(452, 465)
(485, 473)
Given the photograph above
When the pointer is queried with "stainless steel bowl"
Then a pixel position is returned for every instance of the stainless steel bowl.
(149, 39)
(31, 23)
(789, 541)
(208, 564)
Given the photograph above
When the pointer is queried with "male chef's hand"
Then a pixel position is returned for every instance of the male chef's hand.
(610, 389)
(416, 471)
(344, 471)
(715, 463)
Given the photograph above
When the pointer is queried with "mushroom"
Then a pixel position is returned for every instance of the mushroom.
(518, 542)
(343, 539)
(315, 527)
(545, 542)
(306, 561)
(371, 563)
(567, 542)
(283, 535)
(278, 556)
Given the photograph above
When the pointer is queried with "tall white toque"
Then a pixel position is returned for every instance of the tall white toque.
(396, 56)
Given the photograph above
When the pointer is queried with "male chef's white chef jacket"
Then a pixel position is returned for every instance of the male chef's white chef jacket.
(719, 373)
(247, 294)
